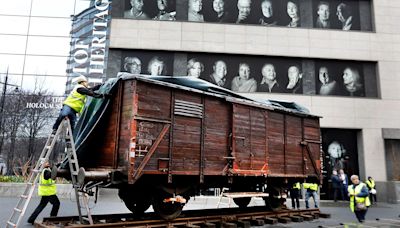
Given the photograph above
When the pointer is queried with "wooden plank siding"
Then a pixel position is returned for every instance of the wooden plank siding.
(261, 141)
(312, 134)
(293, 153)
(275, 134)
(249, 145)
(217, 124)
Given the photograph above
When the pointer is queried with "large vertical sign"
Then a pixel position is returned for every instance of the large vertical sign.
(89, 45)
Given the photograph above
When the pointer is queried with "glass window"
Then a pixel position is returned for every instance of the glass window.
(50, 26)
(14, 63)
(53, 84)
(39, 45)
(15, 7)
(14, 25)
(81, 6)
(46, 65)
(12, 44)
(51, 8)
(13, 81)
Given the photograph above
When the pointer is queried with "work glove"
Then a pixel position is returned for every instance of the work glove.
(107, 95)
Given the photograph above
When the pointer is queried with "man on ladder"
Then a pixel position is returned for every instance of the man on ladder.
(76, 101)
(48, 191)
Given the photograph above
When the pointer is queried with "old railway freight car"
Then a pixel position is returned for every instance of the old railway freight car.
(160, 138)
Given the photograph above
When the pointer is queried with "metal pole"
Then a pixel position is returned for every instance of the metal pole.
(3, 98)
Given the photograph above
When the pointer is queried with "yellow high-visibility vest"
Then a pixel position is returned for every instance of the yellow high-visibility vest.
(371, 184)
(313, 187)
(46, 187)
(356, 191)
(296, 185)
(76, 100)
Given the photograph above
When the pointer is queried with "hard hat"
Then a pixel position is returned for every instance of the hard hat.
(80, 79)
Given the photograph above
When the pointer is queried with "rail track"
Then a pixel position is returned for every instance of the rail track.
(210, 218)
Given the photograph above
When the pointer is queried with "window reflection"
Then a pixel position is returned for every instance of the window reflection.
(41, 26)
(18, 44)
(49, 65)
(16, 7)
(53, 84)
(39, 45)
(14, 63)
(14, 25)
(52, 8)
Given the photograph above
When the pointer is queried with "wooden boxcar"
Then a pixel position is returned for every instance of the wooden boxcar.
(163, 137)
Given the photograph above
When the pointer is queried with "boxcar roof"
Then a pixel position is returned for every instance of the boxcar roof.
(201, 86)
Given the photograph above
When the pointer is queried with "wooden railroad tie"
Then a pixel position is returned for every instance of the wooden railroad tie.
(284, 219)
(270, 220)
(243, 223)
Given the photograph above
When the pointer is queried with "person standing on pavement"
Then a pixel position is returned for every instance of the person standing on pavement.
(359, 200)
(344, 183)
(372, 190)
(294, 195)
(336, 186)
(311, 188)
(48, 191)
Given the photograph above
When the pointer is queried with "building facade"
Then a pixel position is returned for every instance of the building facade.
(340, 59)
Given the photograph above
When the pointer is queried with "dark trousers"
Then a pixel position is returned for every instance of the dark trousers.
(361, 214)
(372, 197)
(66, 111)
(294, 195)
(337, 191)
(43, 202)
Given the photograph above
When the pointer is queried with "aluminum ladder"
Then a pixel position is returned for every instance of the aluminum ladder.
(19, 210)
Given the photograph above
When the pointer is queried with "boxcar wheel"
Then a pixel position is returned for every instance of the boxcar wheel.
(167, 211)
(135, 204)
(242, 202)
(273, 202)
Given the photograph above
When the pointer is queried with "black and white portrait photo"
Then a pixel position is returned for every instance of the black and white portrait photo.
(292, 10)
(219, 72)
(166, 10)
(195, 8)
(345, 16)
(135, 10)
(323, 15)
(336, 153)
(268, 17)
(148, 63)
(340, 149)
(269, 82)
(262, 74)
(132, 65)
(194, 68)
(244, 83)
(244, 10)
(352, 82)
(295, 82)
(327, 85)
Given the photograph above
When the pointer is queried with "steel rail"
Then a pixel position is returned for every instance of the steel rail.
(189, 218)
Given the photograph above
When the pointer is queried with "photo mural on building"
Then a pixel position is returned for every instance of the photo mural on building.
(323, 14)
(341, 155)
(249, 74)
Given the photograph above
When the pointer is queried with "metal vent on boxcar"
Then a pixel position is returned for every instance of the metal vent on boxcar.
(187, 108)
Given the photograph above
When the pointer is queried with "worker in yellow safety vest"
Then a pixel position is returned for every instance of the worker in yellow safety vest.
(372, 190)
(311, 191)
(48, 191)
(76, 101)
(294, 195)
(359, 200)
